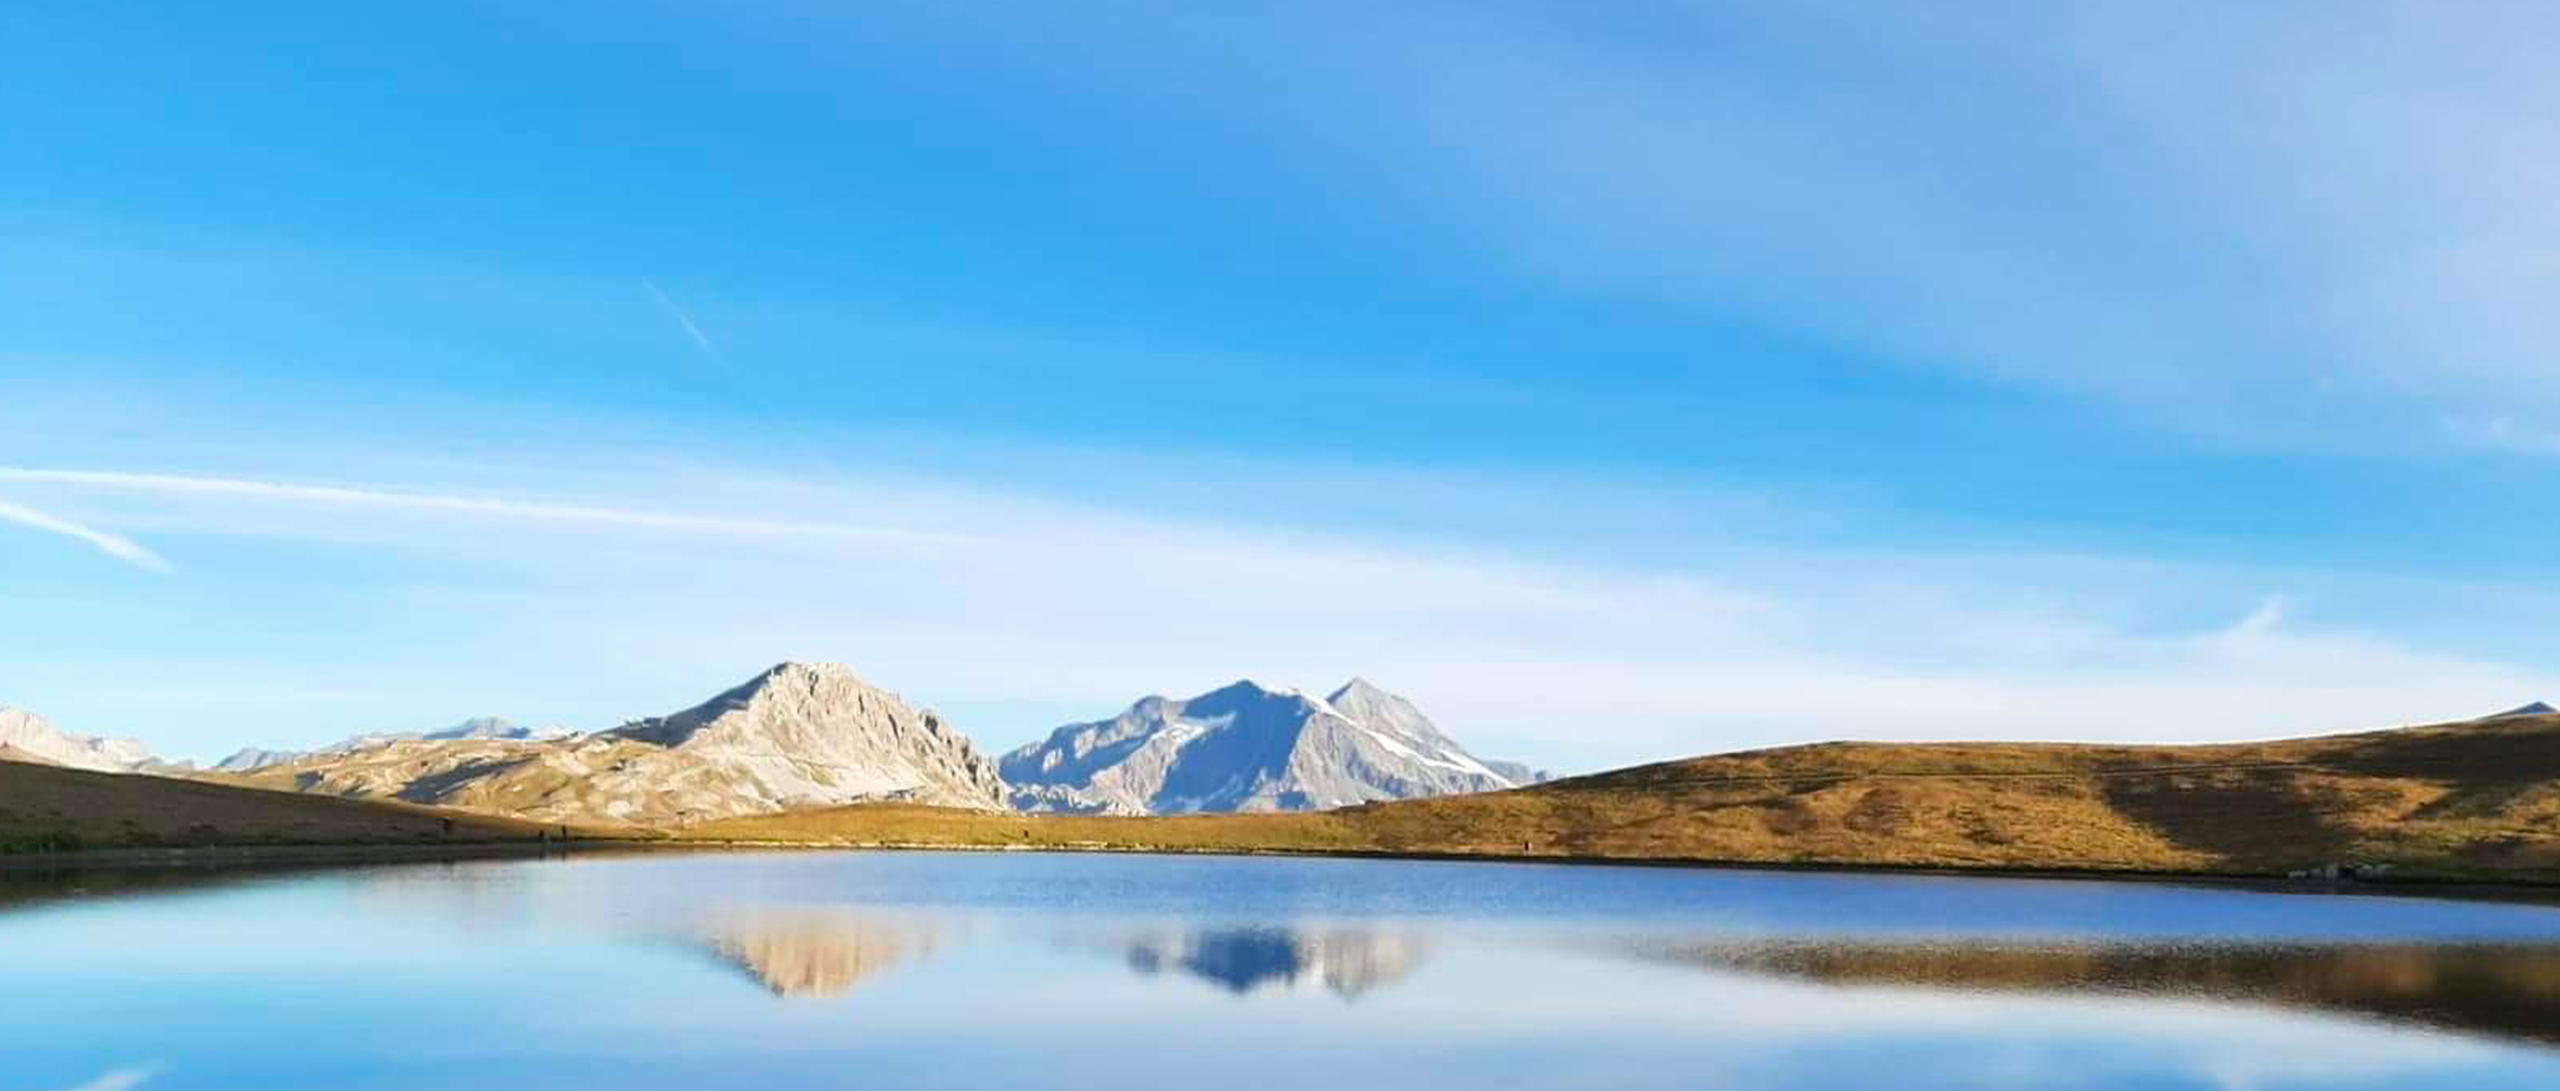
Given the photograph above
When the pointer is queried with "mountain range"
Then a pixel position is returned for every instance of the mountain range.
(2464, 801)
(806, 735)
(803, 736)
(797, 735)
(251, 759)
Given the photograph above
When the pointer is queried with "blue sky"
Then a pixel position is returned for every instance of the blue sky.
(1620, 382)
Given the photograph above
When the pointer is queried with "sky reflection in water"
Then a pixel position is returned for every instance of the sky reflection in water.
(958, 970)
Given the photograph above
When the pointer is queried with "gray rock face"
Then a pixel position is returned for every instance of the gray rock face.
(1246, 748)
(798, 735)
(2536, 708)
(816, 733)
(28, 733)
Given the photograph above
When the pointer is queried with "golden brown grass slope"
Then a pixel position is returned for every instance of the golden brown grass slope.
(47, 808)
(2465, 800)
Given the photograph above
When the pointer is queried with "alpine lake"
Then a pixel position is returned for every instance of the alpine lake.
(816, 969)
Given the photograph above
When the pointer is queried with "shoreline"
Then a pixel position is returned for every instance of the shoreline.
(219, 856)
(216, 857)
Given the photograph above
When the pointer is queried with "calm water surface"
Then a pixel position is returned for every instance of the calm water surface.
(1020, 971)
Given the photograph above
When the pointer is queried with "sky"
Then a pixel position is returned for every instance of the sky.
(1619, 382)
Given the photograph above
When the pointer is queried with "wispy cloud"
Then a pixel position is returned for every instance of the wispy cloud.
(489, 506)
(1021, 614)
(2271, 228)
(668, 304)
(120, 1079)
(114, 545)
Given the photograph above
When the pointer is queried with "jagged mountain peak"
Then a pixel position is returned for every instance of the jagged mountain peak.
(29, 733)
(1360, 695)
(1247, 691)
(1248, 687)
(791, 676)
(1355, 688)
(809, 672)
(1246, 746)
(809, 691)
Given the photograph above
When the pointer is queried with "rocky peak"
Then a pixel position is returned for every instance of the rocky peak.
(796, 735)
(817, 731)
(1358, 689)
(1246, 746)
(28, 733)
(1369, 706)
(1246, 693)
(815, 689)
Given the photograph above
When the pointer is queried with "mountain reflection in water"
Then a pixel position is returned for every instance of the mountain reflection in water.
(818, 952)
(2506, 991)
(815, 953)
(1346, 960)
(954, 971)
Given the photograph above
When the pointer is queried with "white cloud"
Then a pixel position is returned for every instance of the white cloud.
(114, 545)
(465, 505)
(1018, 614)
(2273, 226)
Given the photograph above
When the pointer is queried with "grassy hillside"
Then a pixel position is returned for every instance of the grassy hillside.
(50, 808)
(2470, 800)
(2459, 800)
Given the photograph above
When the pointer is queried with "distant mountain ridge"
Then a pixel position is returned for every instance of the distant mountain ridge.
(251, 759)
(1244, 747)
(34, 736)
(2535, 708)
(796, 735)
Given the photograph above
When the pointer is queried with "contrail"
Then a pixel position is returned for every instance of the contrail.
(113, 545)
(675, 312)
(667, 303)
(344, 496)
